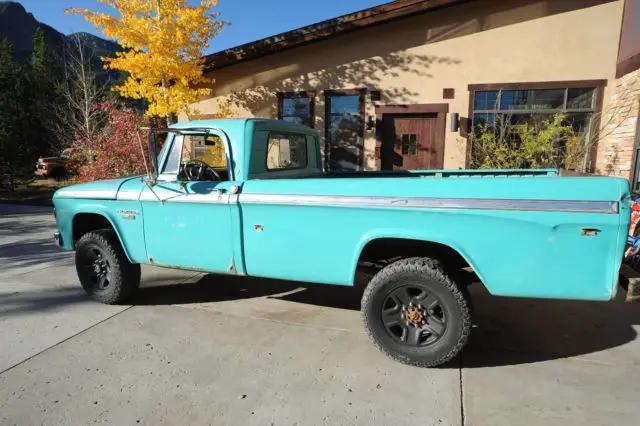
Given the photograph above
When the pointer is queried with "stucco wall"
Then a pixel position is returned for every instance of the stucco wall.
(413, 59)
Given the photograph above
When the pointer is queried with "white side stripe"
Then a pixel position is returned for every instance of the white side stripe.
(570, 206)
(573, 206)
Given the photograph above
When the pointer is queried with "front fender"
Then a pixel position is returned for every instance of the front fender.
(129, 231)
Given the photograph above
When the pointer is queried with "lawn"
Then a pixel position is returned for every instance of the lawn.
(34, 192)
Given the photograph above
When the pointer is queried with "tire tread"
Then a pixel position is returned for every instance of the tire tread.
(127, 281)
(433, 269)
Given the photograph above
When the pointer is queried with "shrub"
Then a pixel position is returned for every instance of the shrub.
(541, 143)
(115, 152)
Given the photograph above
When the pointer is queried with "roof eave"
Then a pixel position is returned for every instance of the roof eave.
(323, 30)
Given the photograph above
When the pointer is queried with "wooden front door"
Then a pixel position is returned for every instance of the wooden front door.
(412, 141)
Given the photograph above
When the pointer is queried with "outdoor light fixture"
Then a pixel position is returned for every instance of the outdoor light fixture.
(455, 121)
(371, 123)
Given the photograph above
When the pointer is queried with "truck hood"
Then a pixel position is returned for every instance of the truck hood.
(101, 189)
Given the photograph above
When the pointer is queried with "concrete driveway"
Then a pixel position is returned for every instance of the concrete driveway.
(196, 349)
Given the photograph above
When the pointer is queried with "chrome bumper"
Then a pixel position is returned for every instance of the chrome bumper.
(57, 238)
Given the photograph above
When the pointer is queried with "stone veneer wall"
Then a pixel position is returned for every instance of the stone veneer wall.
(619, 124)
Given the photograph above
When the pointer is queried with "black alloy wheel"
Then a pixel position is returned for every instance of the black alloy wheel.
(414, 316)
(98, 268)
(415, 313)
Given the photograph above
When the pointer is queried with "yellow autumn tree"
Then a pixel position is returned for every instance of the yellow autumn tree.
(164, 42)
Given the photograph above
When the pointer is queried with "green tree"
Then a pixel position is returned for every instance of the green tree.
(15, 151)
(39, 57)
(41, 96)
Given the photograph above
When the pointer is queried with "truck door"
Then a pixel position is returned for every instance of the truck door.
(187, 223)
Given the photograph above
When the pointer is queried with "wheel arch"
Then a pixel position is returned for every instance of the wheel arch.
(84, 221)
(409, 244)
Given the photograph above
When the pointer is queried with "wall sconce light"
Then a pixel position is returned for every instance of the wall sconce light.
(371, 123)
(455, 121)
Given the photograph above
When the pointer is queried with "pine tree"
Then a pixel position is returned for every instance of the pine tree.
(41, 93)
(12, 116)
(39, 57)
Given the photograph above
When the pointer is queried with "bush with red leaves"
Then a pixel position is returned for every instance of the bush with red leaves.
(116, 151)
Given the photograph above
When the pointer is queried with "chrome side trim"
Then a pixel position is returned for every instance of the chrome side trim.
(102, 194)
(106, 194)
(212, 198)
(607, 207)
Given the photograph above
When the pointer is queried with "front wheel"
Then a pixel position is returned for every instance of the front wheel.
(103, 268)
(415, 314)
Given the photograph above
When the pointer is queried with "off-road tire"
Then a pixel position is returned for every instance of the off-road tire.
(428, 273)
(124, 276)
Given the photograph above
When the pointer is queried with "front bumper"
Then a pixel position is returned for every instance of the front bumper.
(58, 239)
(630, 281)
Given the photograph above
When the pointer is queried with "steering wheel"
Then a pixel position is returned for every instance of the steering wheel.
(195, 169)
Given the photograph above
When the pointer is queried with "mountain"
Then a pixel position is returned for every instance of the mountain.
(18, 26)
(99, 47)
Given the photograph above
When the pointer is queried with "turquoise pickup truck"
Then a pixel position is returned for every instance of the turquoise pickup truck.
(249, 197)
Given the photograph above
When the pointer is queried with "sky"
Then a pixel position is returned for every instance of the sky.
(250, 19)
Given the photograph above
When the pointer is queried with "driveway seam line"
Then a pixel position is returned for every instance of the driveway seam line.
(462, 416)
(65, 340)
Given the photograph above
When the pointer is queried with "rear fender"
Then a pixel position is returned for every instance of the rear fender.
(427, 236)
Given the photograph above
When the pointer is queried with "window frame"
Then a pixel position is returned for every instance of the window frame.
(598, 85)
(281, 169)
(170, 176)
(311, 94)
(327, 122)
(173, 177)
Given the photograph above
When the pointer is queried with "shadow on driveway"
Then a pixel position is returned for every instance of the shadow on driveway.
(219, 288)
(22, 227)
(30, 253)
(507, 331)
(513, 331)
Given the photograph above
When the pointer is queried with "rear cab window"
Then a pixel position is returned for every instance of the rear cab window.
(280, 150)
(286, 151)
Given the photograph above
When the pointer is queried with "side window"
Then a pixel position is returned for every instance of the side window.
(286, 151)
(206, 148)
(172, 165)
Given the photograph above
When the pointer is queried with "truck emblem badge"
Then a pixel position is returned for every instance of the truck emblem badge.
(128, 214)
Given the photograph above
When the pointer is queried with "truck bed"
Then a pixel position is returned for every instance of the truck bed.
(467, 173)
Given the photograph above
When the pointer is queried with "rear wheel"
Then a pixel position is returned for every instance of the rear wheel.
(415, 313)
(103, 269)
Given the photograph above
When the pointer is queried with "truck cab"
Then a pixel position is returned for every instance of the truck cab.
(201, 174)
